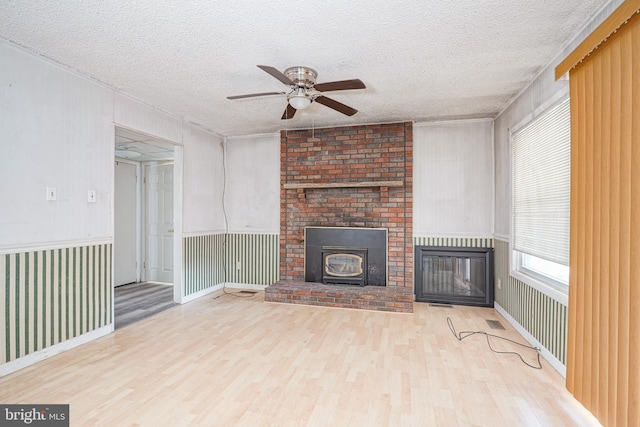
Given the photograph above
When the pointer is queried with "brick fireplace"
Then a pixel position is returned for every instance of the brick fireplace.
(352, 177)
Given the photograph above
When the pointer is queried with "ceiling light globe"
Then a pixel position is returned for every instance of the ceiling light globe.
(299, 102)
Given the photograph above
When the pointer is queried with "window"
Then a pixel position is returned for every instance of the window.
(543, 270)
(541, 197)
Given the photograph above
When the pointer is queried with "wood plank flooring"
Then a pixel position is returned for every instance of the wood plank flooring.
(138, 301)
(227, 361)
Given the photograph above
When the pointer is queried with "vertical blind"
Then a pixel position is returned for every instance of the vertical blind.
(541, 186)
(603, 325)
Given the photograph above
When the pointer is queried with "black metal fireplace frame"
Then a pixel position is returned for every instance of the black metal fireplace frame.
(374, 240)
(446, 251)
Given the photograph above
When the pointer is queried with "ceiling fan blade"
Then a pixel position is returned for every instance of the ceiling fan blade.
(338, 106)
(277, 74)
(289, 112)
(340, 85)
(251, 95)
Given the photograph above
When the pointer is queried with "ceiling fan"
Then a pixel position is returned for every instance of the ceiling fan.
(304, 90)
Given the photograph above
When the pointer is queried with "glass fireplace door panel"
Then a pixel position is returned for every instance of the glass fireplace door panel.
(458, 276)
(469, 277)
(437, 275)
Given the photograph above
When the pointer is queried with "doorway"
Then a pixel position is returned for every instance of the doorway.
(144, 224)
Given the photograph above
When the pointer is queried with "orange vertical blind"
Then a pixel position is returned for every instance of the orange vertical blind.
(603, 354)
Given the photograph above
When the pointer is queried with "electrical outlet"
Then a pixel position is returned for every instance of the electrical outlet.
(91, 196)
(499, 283)
(238, 265)
(51, 194)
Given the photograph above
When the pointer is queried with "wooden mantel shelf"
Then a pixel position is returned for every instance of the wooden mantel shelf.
(356, 184)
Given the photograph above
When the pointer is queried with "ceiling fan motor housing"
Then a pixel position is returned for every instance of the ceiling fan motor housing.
(302, 76)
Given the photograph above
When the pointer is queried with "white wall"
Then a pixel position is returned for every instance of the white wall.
(56, 128)
(131, 114)
(253, 183)
(453, 178)
(58, 131)
(203, 183)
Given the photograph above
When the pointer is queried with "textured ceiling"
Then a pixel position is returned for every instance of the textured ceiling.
(420, 59)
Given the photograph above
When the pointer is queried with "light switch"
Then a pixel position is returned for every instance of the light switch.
(91, 196)
(51, 194)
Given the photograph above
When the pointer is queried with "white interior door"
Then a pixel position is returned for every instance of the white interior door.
(160, 227)
(124, 236)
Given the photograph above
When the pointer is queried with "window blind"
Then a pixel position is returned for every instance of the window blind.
(541, 185)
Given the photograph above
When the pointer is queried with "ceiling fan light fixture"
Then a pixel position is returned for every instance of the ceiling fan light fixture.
(299, 99)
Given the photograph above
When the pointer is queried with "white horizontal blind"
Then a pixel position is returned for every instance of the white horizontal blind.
(541, 186)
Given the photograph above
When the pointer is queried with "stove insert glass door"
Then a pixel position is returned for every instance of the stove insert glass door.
(343, 265)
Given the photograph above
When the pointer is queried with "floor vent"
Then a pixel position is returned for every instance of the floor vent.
(435, 304)
(495, 324)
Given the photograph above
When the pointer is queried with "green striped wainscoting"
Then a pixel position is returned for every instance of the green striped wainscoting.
(252, 258)
(540, 315)
(233, 258)
(50, 296)
(457, 242)
(203, 262)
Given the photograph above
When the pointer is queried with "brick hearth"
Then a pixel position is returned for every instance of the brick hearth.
(398, 299)
(357, 176)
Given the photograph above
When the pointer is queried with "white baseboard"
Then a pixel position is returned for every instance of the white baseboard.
(247, 286)
(201, 293)
(553, 361)
(48, 352)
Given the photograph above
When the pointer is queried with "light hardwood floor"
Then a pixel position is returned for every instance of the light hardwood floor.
(228, 361)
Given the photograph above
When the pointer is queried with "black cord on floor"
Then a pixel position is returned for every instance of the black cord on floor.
(465, 334)
(238, 294)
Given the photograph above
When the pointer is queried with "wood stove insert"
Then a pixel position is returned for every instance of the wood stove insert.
(344, 265)
(346, 256)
